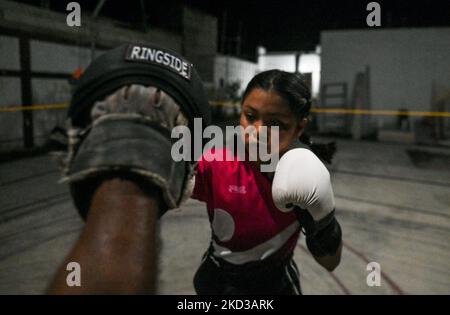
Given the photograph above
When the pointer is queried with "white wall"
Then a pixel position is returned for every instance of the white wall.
(308, 63)
(281, 61)
(404, 63)
(232, 69)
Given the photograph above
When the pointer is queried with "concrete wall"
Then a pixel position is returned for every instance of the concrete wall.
(62, 58)
(404, 64)
(38, 22)
(200, 42)
(56, 48)
(231, 69)
(9, 53)
(51, 57)
(48, 91)
(10, 122)
(46, 57)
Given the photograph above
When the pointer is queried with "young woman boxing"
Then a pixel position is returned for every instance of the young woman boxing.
(256, 218)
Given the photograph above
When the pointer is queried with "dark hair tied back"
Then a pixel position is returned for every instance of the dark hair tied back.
(293, 88)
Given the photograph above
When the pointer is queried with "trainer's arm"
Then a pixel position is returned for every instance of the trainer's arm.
(117, 250)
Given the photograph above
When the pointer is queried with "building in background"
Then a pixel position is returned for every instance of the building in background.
(386, 69)
(233, 72)
(306, 63)
(395, 71)
(230, 69)
(402, 70)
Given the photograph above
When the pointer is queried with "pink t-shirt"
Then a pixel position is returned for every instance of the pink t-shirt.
(246, 225)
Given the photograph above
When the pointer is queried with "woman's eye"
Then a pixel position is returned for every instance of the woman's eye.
(249, 117)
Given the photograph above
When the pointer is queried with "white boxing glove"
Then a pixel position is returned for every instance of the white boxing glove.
(302, 180)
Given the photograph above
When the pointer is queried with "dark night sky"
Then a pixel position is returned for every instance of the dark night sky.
(277, 25)
(296, 25)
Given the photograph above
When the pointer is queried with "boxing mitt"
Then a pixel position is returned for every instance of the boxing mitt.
(120, 121)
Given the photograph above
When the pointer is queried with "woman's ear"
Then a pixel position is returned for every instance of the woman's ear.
(302, 124)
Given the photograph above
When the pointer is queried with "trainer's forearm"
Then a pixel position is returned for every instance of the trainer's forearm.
(117, 249)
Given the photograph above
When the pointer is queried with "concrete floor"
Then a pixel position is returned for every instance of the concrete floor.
(391, 211)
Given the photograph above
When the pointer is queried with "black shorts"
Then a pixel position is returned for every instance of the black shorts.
(216, 277)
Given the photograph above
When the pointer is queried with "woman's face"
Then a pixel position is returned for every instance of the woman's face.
(261, 108)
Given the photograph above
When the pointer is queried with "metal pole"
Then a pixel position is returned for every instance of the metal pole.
(144, 16)
(25, 83)
(93, 27)
(223, 39)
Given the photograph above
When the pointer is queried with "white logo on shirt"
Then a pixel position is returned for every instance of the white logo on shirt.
(223, 225)
(237, 189)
